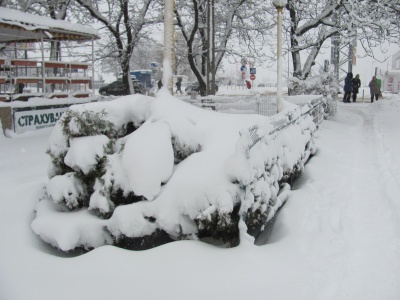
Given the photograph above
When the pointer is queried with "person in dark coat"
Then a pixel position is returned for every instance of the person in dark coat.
(356, 86)
(374, 88)
(178, 87)
(348, 87)
(159, 84)
(21, 88)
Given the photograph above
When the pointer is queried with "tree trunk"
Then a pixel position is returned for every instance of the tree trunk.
(126, 75)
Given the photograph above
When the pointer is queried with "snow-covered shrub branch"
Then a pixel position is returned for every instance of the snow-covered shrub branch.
(277, 157)
(179, 172)
(182, 150)
(324, 84)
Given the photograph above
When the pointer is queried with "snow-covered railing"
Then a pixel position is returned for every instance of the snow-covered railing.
(313, 108)
(19, 75)
(260, 104)
(273, 155)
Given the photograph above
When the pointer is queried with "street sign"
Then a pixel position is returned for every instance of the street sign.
(253, 71)
(252, 76)
(243, 68)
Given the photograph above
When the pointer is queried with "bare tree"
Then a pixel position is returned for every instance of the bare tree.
(123, 22)
(312, 22)
(241, 30)
(146, 51)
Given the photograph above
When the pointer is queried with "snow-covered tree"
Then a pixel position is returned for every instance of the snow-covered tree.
(147, 51)
(311, 23)
(123, 23)
(241, 29)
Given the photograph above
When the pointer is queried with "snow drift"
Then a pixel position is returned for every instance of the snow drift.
(141, 171)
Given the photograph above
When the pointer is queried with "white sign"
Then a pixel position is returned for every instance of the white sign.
(390, 84)
(36, 119)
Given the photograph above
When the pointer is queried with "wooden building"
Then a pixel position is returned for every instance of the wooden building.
(26, 77)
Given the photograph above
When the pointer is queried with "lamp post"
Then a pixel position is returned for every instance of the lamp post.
(169, 39)
(373, 72)
(279, 4)
(211, 48)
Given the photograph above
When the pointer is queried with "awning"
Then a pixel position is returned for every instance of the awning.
(17, 26)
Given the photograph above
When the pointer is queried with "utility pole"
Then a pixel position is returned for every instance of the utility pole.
(279, 5)
(335, 55)
(352, 49)
(169, 40)
(211, 48)
(347, 54)
(350, 63)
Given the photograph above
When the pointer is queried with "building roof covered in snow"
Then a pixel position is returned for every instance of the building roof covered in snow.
(18, 26)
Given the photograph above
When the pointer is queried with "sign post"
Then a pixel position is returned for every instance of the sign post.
(252, 77)
(243, 69)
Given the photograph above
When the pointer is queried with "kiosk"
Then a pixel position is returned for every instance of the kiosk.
(32, 66)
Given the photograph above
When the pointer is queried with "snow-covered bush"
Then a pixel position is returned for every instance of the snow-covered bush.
(182, 150)
(73, 194)
(152, 170)
(268, 163)
(323, 84)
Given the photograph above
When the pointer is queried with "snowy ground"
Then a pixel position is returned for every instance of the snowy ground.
(338, 237)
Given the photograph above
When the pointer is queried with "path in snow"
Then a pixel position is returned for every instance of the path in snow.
(348, 204)
(338, 236)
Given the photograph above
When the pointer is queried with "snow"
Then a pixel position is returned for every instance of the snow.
(337, 237)
(66, 188)
(83, 151)
(148, 159)
(40, 101)
(34, 22)
(87, 230)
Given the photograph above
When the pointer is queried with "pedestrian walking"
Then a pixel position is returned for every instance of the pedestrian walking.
(248, 84)
(374, 89)
(21, 88)
(348, 87)
(178, 87)
(356, 86)
(159, 84)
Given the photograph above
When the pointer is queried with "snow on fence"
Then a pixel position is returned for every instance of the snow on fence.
(291, 136)
(261, 105)
(314, 109)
